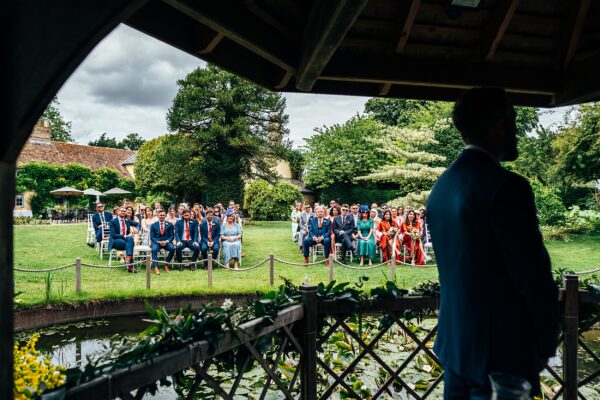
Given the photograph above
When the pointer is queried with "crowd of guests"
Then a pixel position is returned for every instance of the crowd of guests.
(200, 230)
(362, 231)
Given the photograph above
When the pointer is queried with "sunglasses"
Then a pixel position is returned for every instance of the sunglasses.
(344, 209)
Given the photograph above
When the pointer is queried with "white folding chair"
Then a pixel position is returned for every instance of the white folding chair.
(338, 248)
(103, 245)
(316, 250)
(91, 233)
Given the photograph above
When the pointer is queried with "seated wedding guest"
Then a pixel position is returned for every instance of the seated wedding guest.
(395, 216)
(126, 203)
(130, 214)
(319, 231)
(231, 235)
(345, 231)
(180, 210)
(355, 214)
(376, 220)
(295, 217)
(202, 211)
(115, 212)
(148, 219)
(303, 221)
(140, 212)
(161, 237)
(388, 229)
(186, 237)
(157, 207)
(172, 215)
(99, 219)
(411, 239)
(375, 207)
(210, 233)
(366, 236)
(198, 213)
(333, 212)
(217, 217)
(121, 237)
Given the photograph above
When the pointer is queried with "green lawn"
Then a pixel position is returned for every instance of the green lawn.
(39, 247)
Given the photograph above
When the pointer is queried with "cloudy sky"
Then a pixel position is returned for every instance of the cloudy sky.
(128, 82)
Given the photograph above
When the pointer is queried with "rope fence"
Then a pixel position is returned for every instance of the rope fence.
(210, 263)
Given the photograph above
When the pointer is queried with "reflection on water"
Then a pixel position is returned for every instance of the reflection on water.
(71, 344)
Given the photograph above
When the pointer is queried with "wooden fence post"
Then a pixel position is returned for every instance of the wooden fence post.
(571, 323)
(148, 271)
(210, 269)
(393, 269)
(330, 267)
(78, 276)
(308, 341)
(271, 269)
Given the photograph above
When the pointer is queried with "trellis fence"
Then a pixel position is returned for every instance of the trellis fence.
(311, 371)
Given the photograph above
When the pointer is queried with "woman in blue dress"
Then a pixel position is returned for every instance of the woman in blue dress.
(366, 236)
(231, 235)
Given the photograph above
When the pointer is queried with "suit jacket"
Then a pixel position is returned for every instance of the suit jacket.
(304, 220)
(155, 235)
(180, 230)
(498, 299)
(115, 230)
(97, 221)
(315, 231)
(216, 231)
(346, 225)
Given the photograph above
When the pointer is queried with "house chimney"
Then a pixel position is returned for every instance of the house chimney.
(41, 132)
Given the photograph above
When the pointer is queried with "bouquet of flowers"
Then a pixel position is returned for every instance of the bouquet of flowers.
(392, 232)
(415, 234)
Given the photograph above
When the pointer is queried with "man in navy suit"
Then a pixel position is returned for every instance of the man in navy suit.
(344, 228)
(120, 236)
(499, 304)
(161, 237)
(210, 232)
(319, 232)
(186, 237)
(99, 218)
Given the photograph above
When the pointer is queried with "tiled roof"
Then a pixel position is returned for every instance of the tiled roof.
(130, 160)
(65, 153)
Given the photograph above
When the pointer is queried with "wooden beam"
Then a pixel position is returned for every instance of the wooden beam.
(398, 70)
(581, 83)
(573, 28)
(385, 89)
(327, 26)
(260, 12)
(236, 23)
(407, 21)
(208, 42)
(285, 79)
(495, 29)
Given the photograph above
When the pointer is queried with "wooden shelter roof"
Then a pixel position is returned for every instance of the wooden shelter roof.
(544, 52)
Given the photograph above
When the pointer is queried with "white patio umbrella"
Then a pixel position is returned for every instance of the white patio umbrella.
(116, 190)
(93, 192)
(66, 191)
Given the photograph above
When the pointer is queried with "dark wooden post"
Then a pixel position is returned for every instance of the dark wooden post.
(271, 269)
(308, 341)
(7, 289)
(78, 276)
(210, 269)
(148, 271)
(393, 269)
(571, 283)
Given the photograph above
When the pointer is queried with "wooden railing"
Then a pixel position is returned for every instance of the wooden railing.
(307, 330)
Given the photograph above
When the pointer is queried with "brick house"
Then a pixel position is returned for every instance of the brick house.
(40, 148)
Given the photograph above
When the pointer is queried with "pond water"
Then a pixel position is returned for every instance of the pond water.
(70, 345)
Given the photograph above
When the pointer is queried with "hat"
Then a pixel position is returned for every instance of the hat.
(364, 208)
(229, 212)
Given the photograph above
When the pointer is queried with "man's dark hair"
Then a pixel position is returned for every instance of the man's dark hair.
(186, 211)
(477, 110)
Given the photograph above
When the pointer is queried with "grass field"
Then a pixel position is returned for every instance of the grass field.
(38, 247)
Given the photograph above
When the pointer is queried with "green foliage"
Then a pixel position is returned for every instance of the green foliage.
(365, 193)
(235, 129)
(579, 196)
(43, 178)
(169, 164)
(339, 153)
(267, 202)
(225, 188)
(296, 160)
(132, 141)
(577, 147)
(584, 221)
(550, 208)
(60, 130)
(536, 156)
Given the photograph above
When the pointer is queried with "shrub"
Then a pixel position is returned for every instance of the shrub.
(267, 202)
(550, 209)
(583, 221)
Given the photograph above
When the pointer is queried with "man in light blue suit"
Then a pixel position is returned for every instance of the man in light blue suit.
(319, 232)
(120, 237)
(161, 237)
(499, 304)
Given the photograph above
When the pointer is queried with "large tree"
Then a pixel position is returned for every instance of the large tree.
(237, 127)
(536, 156)
(437, 117)
(132, 141)
(60, 130)
(409, 163)
(105, 141)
